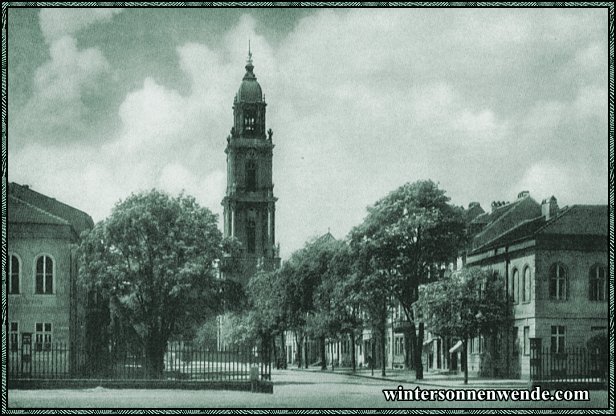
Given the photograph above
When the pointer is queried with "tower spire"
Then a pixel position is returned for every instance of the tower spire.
(249, 62)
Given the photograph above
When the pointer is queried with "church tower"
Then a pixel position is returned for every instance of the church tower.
(249, 203)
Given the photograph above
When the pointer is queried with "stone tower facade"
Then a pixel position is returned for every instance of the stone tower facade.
(249, 203)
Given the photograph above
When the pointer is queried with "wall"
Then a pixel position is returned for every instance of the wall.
(28, 308)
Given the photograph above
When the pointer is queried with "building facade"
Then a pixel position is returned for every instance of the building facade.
(43, 301)
(249, 203)
(554, 264)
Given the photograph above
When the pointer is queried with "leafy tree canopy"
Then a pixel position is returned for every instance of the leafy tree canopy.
(154, 258)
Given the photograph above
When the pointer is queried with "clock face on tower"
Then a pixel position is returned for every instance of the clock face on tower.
(249, 203)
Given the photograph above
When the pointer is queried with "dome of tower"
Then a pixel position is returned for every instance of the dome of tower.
(250, 90)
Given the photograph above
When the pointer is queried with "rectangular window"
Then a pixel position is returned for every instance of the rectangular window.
(557, 344)
(399, 346)
(13, 275)
(14, 336)
(514, 340)
(42, 336)
(526, 340)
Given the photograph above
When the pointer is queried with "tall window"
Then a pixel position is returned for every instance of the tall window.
(515, 282)
(597, 283)
(14, 336)
(558, 282)
(249, 122)
(250, 236)
(526, 285)
(558, 339)
(14, 270)
(251, 175)
(526, 340)
(44, 275)
(42, 337)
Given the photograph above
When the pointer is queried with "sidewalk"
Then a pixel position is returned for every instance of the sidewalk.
(455, 381)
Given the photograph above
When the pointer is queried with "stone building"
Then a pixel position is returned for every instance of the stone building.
(43, 303)
(249, 203)
(554, 263)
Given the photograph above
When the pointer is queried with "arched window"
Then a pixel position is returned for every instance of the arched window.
(14, 274)
(44, 275)
(558, 282)
(249, 122)
(515, 283)
(526, 285)
(251, 175)
(597, 283)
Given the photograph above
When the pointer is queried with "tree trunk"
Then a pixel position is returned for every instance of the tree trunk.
(322, 347)
(273, 346)
(465, 359)
(298, 342)
(306, 352)
(373, 352)
(418, 352)
(412, 346)
(383, 358)
(408, 362)
(284, 350)
(353, 351)
(154, 357)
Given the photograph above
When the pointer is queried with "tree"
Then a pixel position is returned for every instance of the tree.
(154, 259)
(336, 306)
(464, 305)
(374, 300)
(407, 236)
(300, 276)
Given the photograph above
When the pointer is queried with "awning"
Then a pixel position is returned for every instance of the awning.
(455, 347)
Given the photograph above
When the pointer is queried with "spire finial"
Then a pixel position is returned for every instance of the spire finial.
(249, 53)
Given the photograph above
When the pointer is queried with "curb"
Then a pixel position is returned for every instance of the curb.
(520, 385)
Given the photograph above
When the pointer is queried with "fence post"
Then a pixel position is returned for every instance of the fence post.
(535, 359)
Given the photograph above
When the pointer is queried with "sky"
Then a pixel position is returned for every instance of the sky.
(106, 102)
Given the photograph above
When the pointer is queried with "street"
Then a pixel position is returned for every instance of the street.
(292, 389)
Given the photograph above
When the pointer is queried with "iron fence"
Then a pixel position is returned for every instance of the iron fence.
(574, 365)
(179, 362)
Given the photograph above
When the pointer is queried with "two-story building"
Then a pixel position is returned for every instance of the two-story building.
(43, 304)
(554, 263)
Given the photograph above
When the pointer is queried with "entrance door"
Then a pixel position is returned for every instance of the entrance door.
(26, 353)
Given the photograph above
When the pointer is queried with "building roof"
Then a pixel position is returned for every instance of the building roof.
(574, 220)
(28, 206)
(326, 238)
(25, 213)
(580, 220)
(474, 210)
(505, 217)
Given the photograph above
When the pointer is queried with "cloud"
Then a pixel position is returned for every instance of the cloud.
(545, 179)
(58, 22)
(68, 85)
(361, 101)
(59, 86)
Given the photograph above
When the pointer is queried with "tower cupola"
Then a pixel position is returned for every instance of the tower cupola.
(250, 90)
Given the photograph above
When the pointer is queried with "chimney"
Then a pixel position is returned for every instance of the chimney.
(497, 204)
(523, 194)
(549, 208)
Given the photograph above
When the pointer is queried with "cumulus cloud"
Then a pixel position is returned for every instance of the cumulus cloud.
(56, 107)
(58, 22)
(360, 101)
